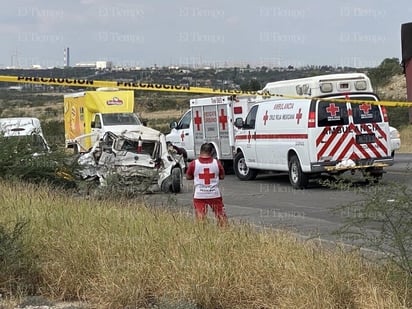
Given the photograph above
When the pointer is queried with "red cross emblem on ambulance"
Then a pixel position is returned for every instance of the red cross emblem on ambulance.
(206, 176)
(223, 119)
(299, 116)
(265, 118)
(182, 136)
(332, 109)
(198, 121)
(365, 108)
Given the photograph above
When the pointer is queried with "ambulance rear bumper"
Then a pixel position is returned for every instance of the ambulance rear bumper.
(335, 166)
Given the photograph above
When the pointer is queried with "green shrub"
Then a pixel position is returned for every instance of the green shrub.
(381, 221)
(54, 132)
(382, 74)
(23, 160)
(398, 116)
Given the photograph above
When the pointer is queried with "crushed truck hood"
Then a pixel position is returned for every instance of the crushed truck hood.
(133, 158)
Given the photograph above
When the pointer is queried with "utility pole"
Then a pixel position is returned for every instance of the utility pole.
(406, 43)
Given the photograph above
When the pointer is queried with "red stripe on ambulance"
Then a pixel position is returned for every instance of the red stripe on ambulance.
(331, 139)
(339, 143)
(280, 136)
(346, 150)
(272, 136)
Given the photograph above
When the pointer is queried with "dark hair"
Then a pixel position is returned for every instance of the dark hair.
(207, 148)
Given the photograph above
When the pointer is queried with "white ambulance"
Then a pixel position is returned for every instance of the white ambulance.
(210, 120)
(341, 128)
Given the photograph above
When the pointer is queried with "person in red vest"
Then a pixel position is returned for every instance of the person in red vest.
(206, 172)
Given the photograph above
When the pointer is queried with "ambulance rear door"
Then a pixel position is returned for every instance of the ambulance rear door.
(343, 131)
(211, 124)
(371, 127)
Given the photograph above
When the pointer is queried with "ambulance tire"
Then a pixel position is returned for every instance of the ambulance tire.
(297, 178)
(176, 184)
(374, 177)
(242, 171)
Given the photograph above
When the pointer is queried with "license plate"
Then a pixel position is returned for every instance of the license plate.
(365, 138)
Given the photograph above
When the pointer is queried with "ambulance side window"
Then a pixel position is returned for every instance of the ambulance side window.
(332, 114)
(184, 123)
(250, 120)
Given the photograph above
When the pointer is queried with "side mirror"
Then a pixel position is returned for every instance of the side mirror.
(239, 122)
(173, 125)
(93, 124)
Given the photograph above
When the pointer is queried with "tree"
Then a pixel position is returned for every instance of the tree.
(251, 85)
(382, 73)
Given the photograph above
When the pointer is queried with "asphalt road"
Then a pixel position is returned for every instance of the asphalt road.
(270, 201)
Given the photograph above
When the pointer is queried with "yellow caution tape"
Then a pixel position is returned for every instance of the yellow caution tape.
(90, 83)
(52, 81)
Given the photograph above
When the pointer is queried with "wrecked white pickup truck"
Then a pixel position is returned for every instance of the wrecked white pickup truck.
(140, 160)
(25, 134)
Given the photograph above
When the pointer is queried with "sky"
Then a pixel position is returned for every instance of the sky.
(145, 33)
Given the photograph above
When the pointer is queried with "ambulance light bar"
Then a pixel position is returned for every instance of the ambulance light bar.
(360, 85)
(326, 87)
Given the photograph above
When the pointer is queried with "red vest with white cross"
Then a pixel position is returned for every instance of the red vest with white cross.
(206, 180)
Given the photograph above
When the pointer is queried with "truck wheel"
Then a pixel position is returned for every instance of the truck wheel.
(297, 178)
(242, 171)
(374, 176)
(176, 185)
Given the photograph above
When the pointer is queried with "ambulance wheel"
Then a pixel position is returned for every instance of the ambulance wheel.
(242, 171)
(377, 178)
(176, 180)
(374, 176)
(297, 178)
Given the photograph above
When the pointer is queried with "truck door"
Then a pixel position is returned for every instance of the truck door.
(182, 135)
(96, 129)
(249, 139)
(371, 132)
(332, 132)
(96, 125)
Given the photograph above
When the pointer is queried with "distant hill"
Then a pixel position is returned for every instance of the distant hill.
(394, 90)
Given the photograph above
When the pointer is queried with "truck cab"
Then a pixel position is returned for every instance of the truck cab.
(114, 122)
(90, 114)
(181, 134)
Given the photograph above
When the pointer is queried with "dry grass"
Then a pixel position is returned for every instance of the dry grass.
(406, 139)
(167, 114)
(115, 253)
